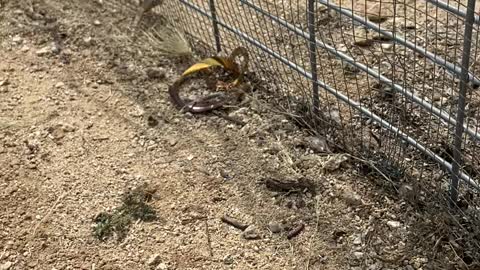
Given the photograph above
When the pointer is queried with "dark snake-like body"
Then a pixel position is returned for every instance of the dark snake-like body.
(205, 104)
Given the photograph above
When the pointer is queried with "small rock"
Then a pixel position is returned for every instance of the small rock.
(88, 41)
(274, 227)
(387, 46)
(393, 224)
(6, 266)
(358, 240)
(172, 141)
(154, 260)
(55, 48)
(251, 233)
(318, 145)
(358, 255)
(97, 23)
(17, 39)
(409, 267)
(59, 85)
(156, 73)
(43, 51)
(162, 266)
(25, 48)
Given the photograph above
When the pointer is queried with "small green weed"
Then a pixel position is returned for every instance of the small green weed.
(134, 208)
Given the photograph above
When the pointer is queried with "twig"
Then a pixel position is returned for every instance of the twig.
(233, 222)
(369, 163)
(295, 231)
(48, 213)
(207, 232)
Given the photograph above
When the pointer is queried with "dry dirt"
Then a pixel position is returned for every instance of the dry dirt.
(84, 117)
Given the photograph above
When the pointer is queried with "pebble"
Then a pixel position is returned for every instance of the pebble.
(97, 23)
(357, 240)
(156, 73)
(43, 51)
(17, 39)
(88, 41)
(59, 85)
(6, 266)
(274, 227)
(162, 266)
(25, 48)
(154, 260)
(172, 141)
(393, 224)
(251, 233)
(358, 255)
(318, 145)
(387, 46)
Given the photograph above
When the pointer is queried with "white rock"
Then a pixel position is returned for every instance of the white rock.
(162, 266)
(59, 85)
(387, 46)
(358, 240)
(358, 255)
(43, 51)
(393, 224)
(17, 39)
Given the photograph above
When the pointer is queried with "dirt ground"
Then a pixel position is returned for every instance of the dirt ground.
(85, 117)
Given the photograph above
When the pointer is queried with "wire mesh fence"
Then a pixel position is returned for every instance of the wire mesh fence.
(392, 82)
(385, 73)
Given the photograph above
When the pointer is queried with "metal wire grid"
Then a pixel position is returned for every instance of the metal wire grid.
(284, 37)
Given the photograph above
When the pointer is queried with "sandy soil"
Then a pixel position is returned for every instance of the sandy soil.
(85, 117)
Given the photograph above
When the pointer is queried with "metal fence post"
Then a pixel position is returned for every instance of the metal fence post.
(216, 32)
(459, 128)
(313, 55)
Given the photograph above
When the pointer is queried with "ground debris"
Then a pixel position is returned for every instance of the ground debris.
(300, 185)
(234, 222)
(134, 208)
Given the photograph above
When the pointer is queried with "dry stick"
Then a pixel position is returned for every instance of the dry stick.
(374, 167)
(207, 232)
(48, 213)
(235, 223)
